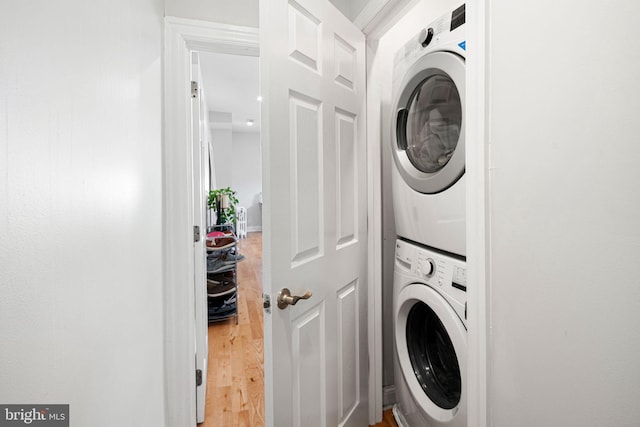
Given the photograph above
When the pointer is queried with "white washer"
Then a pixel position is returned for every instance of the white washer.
(429, 311)
(428, 135)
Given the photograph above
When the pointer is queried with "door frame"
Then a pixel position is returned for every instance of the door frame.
(478, 212)
(182, 36)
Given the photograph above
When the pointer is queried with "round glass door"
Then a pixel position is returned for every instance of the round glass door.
(429, 135)
(434, 121)
(433, 357)
(431, 347)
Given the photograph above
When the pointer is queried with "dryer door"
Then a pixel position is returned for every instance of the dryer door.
(431, 347)
(428, 132)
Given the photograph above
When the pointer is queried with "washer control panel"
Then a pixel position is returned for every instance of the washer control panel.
(459, 279)
(444, 273)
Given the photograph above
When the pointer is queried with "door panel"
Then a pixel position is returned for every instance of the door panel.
(305, 178)
(348, 350)
(345, 62)
(309, 354)
(347, 174)
(304, 36)
(314, 170)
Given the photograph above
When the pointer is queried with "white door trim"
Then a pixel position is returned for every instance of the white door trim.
(374, 258)
(369, 12)
(182, 36)
(478, 211)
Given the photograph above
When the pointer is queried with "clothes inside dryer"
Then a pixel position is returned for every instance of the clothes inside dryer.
(433, 126)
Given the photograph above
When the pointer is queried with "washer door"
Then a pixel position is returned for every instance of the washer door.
(428, 130)
(431, 345)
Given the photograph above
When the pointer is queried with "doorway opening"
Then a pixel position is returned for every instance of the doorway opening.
(228, 88)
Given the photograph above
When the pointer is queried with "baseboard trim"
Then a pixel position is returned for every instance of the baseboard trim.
(254, 228)
(388, 396)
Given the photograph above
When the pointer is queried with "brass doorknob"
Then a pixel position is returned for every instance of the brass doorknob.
(285, 298)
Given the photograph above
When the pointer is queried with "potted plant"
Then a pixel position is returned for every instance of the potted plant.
(224, 201)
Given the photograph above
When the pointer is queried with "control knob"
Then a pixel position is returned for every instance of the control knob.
(427, 267)
(425, 37)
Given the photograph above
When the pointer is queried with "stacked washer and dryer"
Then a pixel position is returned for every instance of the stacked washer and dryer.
(428, 184)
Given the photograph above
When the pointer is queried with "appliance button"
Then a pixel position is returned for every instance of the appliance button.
(425, 37)
(428, 267)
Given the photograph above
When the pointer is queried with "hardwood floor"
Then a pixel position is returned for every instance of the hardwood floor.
(235, 381)
(387, 420)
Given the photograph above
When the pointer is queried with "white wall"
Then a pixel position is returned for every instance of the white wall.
(80, 225)
(236, 12)
(381, 53)
(238, 164)
(247, 175)
(564, 213)
(222, 143)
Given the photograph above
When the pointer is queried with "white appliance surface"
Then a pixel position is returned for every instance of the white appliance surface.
(429, 314)
(428, 182)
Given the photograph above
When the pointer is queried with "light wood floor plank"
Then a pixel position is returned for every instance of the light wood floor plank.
(387, 420)
(235, 383)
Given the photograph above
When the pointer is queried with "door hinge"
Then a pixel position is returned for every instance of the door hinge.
(198, 377)
(196, 233)
(194, 89)
(266, 303)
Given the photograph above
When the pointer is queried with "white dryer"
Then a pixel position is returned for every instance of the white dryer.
(428, 135)
(429, 309)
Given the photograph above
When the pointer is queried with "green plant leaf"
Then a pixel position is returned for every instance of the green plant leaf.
(227, 215)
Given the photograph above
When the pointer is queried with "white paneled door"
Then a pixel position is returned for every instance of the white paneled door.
(315, 213)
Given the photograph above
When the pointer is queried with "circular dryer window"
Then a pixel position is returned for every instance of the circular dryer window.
(428, 134)
(433, 357)
(434, 121)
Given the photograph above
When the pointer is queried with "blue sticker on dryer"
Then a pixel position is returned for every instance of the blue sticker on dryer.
(463, 45)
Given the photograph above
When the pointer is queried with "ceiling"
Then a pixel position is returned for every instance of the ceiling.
(232, 85)
(351, 8)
